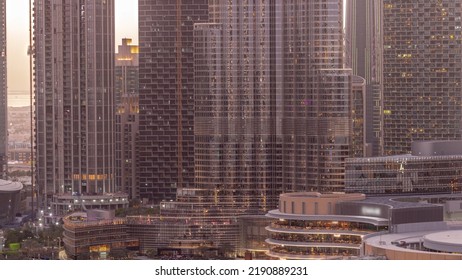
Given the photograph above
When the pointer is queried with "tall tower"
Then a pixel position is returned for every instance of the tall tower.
(166, 145)
(74, 112)
(270, 91)
(235, 106)
(3, 95)
(422, 72)
(364, 56)
(127, 121)
(316, 124)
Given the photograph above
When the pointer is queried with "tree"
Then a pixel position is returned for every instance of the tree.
(31, 247)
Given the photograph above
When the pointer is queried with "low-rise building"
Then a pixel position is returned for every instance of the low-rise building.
(10, 201)
(66, 203)
(441, 244)
(96, 234)
(433, 167)
(333, 226)
(307, 226)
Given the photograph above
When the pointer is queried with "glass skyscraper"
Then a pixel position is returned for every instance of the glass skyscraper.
(166, 143)
(316, 126)
(74, 96)
(422, 72)
(273, 111)
(235, 98)
(126, 89)
(364, 56)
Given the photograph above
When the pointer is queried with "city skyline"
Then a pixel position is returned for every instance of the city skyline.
(253, 129)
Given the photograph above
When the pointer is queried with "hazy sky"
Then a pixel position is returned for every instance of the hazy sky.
(17, 12)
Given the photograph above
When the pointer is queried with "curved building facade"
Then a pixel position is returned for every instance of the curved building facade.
(10, 200)
(417, 245)
(305, 227)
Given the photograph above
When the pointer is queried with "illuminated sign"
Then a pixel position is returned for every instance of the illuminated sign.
(371, 211)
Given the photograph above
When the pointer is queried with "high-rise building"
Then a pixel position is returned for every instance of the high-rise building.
(432, 167)
(126, 131)
(166, 144)
(274, 112)
(3, 95)
(364, 56)
(235, 105)
(235, 124)
(358, 119)
(422, 72)
(74, 96)
(316, 125)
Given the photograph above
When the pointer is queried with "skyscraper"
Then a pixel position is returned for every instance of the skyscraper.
(422, 72)
(74, 112)
(358, 118)
(166, 145)
(274, 112)
(3, 94)
(126, 97)
(235, 106)
(364, 56)
(316, 125)
(235, 124)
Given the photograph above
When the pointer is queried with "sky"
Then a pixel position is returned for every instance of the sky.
(17, 13)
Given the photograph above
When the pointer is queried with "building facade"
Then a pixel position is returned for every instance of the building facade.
(63, 204)
(166, 144)
(235, 97)
(364, 56)
(358, 117)
(432, 167)
(126, 88)
(3, 95)
(87, 237)
(271, 113)
(10, 201)
(309, 226)
(74, 96)
(421, 72)
(316, 127)
(335, 225)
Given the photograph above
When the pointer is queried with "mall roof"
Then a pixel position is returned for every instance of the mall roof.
(9, 186)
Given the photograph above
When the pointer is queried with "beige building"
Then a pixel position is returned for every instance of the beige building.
(313, 203)
(308, 226)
